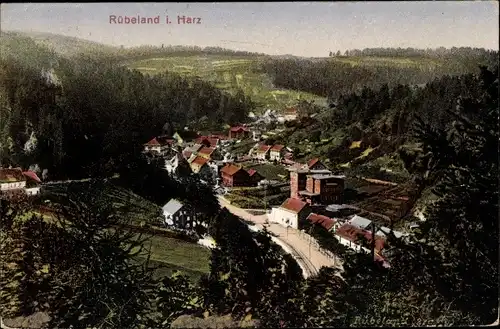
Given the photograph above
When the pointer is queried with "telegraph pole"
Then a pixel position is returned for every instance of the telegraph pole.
(373, 242)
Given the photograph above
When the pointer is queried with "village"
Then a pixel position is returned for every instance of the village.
(266, 181)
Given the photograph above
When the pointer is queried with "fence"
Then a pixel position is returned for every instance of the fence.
(314, 243)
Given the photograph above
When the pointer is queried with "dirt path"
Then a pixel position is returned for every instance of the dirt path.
(303, 250)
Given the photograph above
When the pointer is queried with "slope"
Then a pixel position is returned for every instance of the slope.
(230, 73)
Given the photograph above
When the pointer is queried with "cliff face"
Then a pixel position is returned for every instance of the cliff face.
(35, 321)
(225, 321)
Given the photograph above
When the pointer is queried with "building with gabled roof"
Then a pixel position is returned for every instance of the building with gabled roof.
(206, 152)
(198, 163)
(360, 222)
(178, 215)
(13, 180)
(352, 236)
(159, 144)
(326, 222)
(208, 141)
(277, 152)
(239, 132)
(234, 175)
(290, 213)
(255, 177)
(262, 152)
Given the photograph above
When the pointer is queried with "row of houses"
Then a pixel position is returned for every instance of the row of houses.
(354, 232)
(276, 152)
(15, 180)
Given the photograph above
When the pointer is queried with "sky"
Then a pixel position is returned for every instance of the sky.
(298, 28)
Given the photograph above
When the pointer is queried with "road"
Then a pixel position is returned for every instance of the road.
(302, 250)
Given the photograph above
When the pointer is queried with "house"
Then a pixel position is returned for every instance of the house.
(360, 222)
(352, 237)
(159, 144)
(384, 232)
(262, 152)
(315, 164)
(239, 132)
(174, 165)
(206, 152)
(12, 179)
(255, 177)
(233, 175)
(33, 183)
(277, 152)
(198, 163)
(326, 222)
(191, 150)
(178, 215)
(15, 180)
(290, 213)
(208, 141)
(290, 114)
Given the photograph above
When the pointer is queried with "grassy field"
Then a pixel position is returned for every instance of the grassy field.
(384, 61)
(228, 73)
(269, 171)
(174, 254)
(167, 252)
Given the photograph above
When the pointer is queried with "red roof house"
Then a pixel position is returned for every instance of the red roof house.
(233, 175)
(32, 176)
(198, 163)
(353, 234)
(239, 132)
(293, 205)
(208, 141)
(315, 164)
(255, 176)
(326, 222)
(206, 152)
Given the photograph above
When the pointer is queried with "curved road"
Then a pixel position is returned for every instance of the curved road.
(302, 250)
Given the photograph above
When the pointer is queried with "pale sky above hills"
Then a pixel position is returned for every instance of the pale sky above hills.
(298, 28)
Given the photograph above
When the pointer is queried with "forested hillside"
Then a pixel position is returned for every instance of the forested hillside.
(81, 115)
(337, 75)
(374, 127)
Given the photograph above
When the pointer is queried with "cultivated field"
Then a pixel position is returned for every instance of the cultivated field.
(229, 73)
(385, 61)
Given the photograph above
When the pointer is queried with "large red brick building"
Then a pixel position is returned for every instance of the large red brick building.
(316, 186)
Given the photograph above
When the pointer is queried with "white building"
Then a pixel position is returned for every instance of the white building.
(277, 152)
(14, 179)
(178, 215)
(262, 152)
(360, 222)
(290, 213)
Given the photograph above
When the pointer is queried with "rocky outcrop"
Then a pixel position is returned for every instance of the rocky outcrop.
(225, 321)
(37, 320)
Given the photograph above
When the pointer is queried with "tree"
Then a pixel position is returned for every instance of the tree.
(437, 274)
(178, 296)
(81, 268)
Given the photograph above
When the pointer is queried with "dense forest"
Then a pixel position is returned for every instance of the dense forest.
(331, 77)
(441, 52)
(82, 115)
